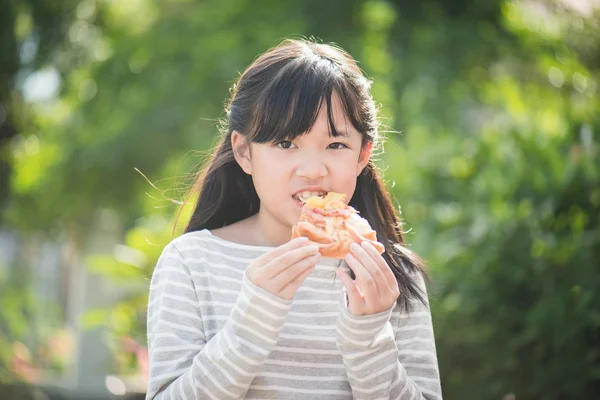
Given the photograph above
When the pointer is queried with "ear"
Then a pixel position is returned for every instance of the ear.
(363, 159)
(241, 151)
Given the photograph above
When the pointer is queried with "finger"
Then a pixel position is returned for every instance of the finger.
(289, 290)
(284, 261)
(288, 275)
(388, 275)
(370, 267)
(283, 249)
(354, 294)
(363, 280)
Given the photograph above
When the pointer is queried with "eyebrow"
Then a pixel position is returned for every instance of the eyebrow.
(341, 132)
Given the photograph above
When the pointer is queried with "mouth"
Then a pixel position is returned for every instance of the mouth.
(301, 197)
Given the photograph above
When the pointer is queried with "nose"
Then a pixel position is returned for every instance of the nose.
(311, 167)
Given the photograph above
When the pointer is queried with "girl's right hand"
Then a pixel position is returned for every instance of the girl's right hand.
(282, 270)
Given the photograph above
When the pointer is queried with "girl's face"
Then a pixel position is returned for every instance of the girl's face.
(314, 162)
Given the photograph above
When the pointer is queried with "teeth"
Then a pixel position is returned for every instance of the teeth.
(302, 196)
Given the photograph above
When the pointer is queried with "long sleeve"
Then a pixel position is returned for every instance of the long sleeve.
(390, 355)
(183, 364)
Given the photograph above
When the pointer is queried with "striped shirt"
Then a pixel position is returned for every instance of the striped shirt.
(213, 334)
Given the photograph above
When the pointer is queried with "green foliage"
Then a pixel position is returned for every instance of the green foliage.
(502, 189)
(28, 336)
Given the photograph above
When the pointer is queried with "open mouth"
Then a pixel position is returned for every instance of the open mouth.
(302, 196)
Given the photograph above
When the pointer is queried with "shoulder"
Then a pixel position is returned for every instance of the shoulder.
(199, 248)
(188, 250)
(178, 256)
(189, 242)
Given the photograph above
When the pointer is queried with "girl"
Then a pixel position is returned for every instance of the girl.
(236, 309)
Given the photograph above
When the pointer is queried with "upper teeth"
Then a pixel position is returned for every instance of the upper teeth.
(306, 194)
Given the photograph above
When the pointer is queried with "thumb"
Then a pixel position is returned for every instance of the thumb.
(354, 294)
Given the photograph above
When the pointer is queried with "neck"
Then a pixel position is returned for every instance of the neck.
(268, 231)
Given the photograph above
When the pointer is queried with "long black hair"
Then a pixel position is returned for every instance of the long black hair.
(278, 97)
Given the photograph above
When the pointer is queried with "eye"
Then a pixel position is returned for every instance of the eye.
(284, 144)
(337, 146)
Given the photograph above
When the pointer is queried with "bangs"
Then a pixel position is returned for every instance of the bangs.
(290, 103)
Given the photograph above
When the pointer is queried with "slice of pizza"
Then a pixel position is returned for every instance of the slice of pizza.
(333, 225)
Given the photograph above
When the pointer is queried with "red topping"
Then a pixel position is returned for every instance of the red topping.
(336, 212)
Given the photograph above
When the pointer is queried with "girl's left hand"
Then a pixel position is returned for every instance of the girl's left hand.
(375, 288)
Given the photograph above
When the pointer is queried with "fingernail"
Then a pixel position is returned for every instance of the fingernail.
(353, 246)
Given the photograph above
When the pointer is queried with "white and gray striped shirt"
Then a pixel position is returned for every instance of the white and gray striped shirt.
(213, 334)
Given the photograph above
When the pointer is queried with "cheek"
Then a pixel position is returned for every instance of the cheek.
(344, 173)
(269, 180)
(349, 185)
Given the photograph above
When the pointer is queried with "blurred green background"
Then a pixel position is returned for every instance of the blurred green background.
(492, 110)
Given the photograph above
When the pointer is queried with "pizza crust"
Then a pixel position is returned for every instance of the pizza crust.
(336, 244)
